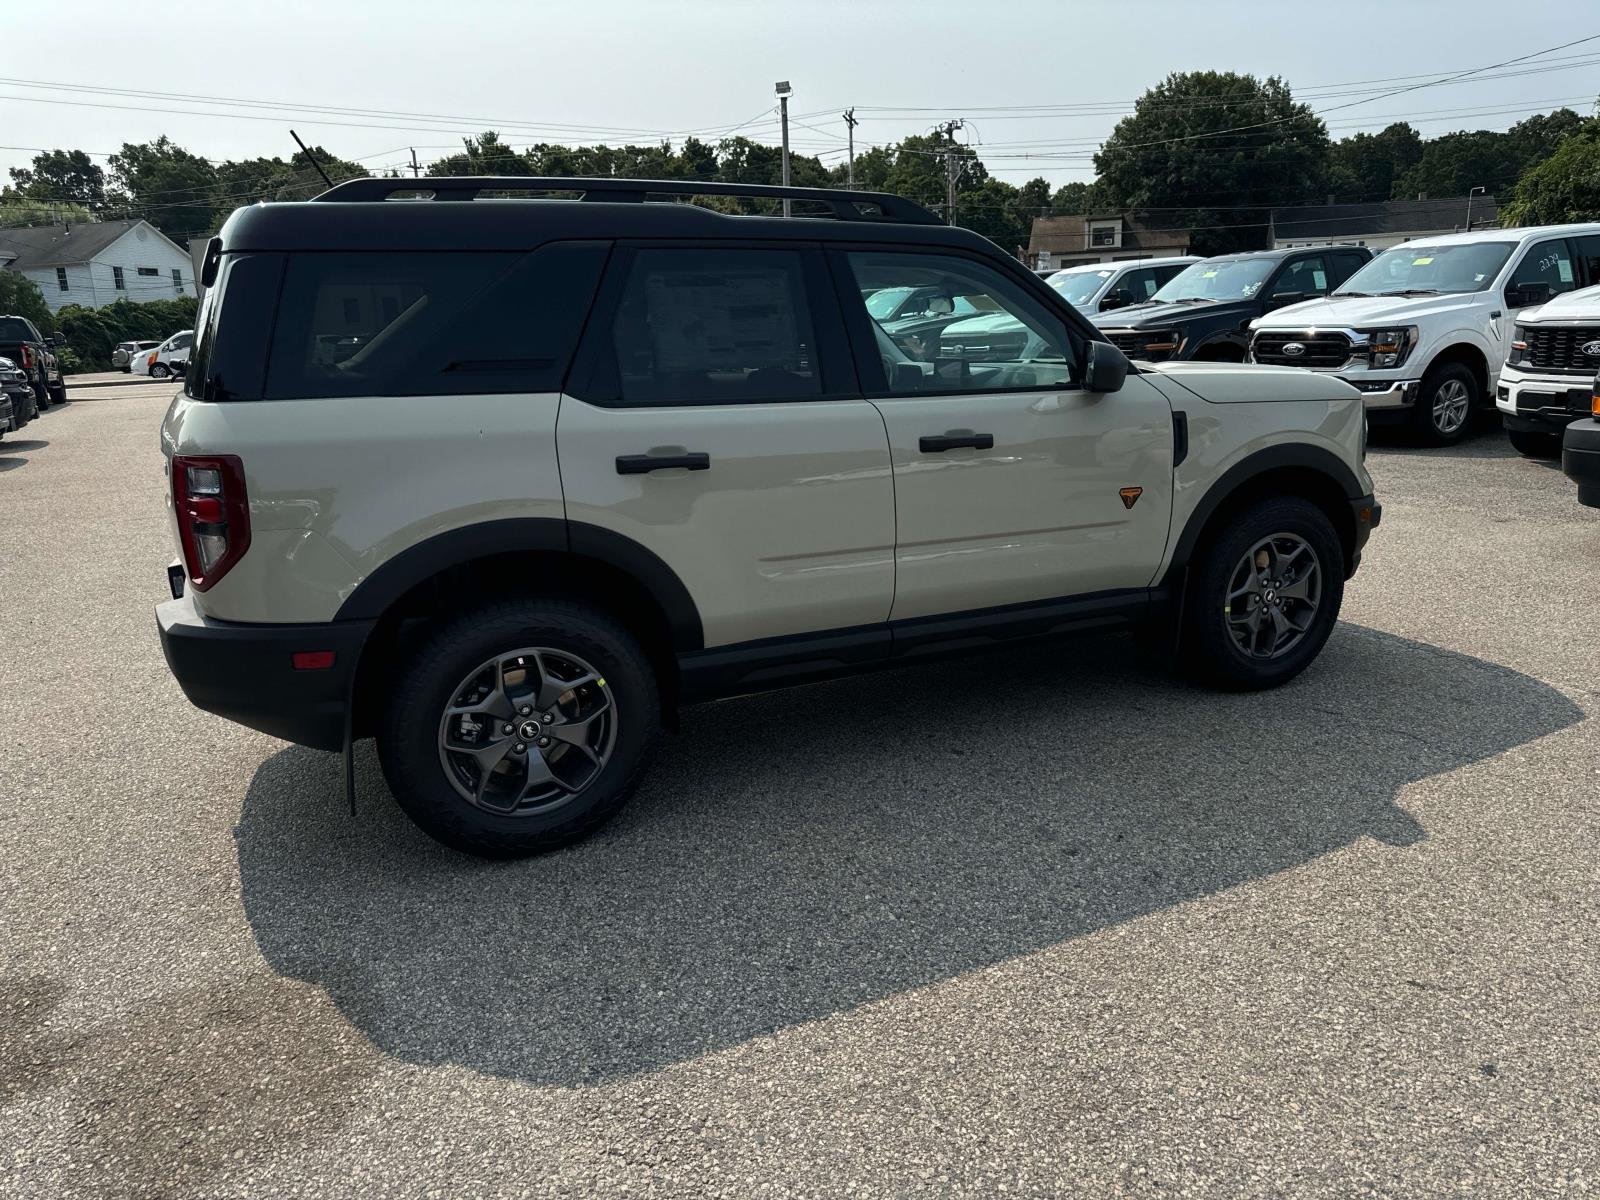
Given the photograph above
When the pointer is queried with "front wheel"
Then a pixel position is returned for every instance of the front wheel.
(520, 726)
(1445, 404)
(1264, 595)
(58, 393)
(160, 371)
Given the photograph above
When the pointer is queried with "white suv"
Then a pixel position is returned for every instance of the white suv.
(504, 482)
(1102, 287)
(1424, 328)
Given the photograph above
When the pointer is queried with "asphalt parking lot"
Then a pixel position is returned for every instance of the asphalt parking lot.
(1049, 923)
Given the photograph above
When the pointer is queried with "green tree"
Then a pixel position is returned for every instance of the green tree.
(62, 175)
(1454, 163)
(171, 188)
(17, 210)
(1365, 166)
(21, 297)
(1563, 187)
(1209, 150)
(1074, 200)
(247, 180)
(93, 333)
(485, 154)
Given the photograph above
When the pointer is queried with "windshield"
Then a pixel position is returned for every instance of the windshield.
(1077, 288)
(14, 329)
(1469, 268)
(1218, 279)
(882, 304)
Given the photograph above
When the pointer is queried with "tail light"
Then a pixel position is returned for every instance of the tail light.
(27, 358)
(213, 514)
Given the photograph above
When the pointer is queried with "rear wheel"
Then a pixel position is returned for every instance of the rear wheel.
(1535, 444)
(58, 393)
(1445, 404)
(520, 727)
(1264, 595)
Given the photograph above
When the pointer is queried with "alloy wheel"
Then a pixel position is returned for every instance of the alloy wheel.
(527, 731)
(1272, 597)
(1451, 402)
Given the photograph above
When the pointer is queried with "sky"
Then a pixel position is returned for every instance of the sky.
(1038, 84)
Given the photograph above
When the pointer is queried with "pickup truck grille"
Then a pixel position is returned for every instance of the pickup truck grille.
(1126, 341)
(1320, 348)
(1561, 350)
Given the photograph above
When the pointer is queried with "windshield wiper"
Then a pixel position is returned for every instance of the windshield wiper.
(1363, 294)
(1194, 300)
(1412, 292)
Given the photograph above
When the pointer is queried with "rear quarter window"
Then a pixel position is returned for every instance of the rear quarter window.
(386, 323)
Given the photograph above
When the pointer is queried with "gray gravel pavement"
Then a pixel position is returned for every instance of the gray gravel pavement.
(1049, 923)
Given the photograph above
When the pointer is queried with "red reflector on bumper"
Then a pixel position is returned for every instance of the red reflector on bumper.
(313, 660)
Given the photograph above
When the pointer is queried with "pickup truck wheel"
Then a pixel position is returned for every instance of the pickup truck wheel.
(520, 727)
(1445, 405)
(1264, 596)
(41, 397)
(1534, 444)
(58, 393)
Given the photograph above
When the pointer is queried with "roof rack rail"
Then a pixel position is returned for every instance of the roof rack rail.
(844, 205)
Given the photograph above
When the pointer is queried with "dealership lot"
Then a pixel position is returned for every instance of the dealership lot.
(1034, 920)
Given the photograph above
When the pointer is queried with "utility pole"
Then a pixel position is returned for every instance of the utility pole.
(415, 170)
(783, 90)
(850, 161)
(950, 171)
(1477, 191)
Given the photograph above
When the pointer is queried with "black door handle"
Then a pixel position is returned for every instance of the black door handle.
(643, 464)
(956, 439)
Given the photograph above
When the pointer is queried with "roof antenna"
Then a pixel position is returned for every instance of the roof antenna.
(311, 159)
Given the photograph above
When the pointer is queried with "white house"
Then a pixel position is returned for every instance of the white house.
(100, 262)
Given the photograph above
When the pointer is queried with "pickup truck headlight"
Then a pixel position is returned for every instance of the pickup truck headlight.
(1388, 348)
(1519, 346)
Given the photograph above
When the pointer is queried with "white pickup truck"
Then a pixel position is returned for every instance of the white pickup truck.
(1548, 380)
(1424, 328)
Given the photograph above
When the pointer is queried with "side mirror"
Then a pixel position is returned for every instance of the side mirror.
(941, 306)
(1104, 368)
(1282, 299)
(1120, 298)
(56, 339)
(908, 377)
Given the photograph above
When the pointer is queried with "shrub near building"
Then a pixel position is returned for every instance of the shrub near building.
(93, 333)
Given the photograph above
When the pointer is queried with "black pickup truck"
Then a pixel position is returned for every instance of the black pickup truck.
(23, 344)
(1204, 312)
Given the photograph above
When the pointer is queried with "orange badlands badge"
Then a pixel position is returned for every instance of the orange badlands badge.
(1130, 496)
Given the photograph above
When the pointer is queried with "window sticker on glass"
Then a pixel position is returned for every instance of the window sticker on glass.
(1208, 275)
(1421, 262)
(1564, 268)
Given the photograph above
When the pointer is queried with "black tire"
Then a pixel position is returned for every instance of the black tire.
(409, 741)
(58, 393)
(41, 397)
(1535, 444)
(1428, 424)
(1210, 652)
(160, 371)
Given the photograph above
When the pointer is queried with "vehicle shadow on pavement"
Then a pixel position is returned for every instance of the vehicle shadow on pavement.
(799, 854)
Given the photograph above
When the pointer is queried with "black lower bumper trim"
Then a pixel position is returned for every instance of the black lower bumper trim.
(246, 672)
(1580, 460)
(1368, 515)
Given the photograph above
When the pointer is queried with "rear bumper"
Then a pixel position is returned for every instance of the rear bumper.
(1580, 460)
(246, 672)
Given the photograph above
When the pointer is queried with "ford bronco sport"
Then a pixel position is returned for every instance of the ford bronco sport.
(503, 481)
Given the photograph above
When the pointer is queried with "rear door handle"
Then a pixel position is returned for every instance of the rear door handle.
(955, 439)
(643, 464)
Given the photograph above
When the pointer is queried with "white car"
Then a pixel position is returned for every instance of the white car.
(171, 357)
(1548, 379)
(1101, 287)
(1423, 329)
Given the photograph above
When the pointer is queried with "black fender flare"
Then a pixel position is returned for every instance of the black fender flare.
(457, 547)
(1252, 466)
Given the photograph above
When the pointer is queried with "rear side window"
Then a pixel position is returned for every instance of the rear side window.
(399, 324)
(715, 326)
(15, 329)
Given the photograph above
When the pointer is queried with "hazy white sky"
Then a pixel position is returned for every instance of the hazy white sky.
(619, 70)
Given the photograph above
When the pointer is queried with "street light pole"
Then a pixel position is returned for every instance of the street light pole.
(1477, 191)
(783, 90)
